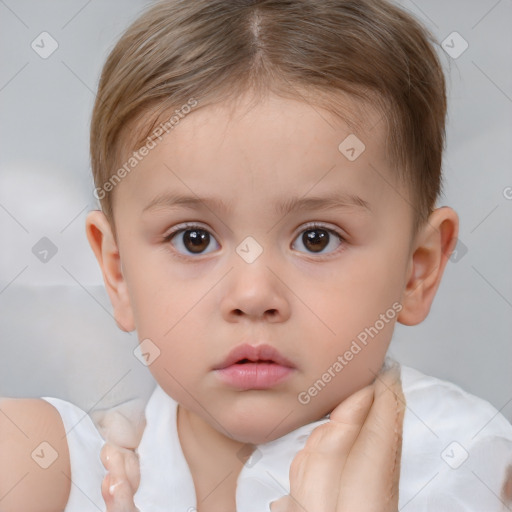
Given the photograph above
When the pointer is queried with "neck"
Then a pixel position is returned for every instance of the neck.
(212, 460)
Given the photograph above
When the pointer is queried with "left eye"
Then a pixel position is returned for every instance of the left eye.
(316, 239)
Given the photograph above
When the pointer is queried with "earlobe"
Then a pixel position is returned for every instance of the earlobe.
(102, 241)
(434, 243)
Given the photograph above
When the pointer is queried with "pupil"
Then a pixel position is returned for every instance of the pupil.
(196, 240)
(315, 239)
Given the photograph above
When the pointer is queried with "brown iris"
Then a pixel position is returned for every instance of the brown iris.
(315, 240)
(196, 240)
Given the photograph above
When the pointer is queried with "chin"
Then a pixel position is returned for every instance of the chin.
(260, 426)
(256, 436)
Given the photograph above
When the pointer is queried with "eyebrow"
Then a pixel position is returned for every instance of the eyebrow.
(333, 201)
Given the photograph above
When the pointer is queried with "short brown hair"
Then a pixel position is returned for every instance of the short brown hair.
(213, 50)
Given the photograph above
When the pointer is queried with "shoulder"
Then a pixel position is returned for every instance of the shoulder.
(457, 448)
(447, 408)
(84, 442)
(35, 464)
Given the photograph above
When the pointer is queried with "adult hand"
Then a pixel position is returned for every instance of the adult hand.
(352, 462)
(122, 480)
(122, 428)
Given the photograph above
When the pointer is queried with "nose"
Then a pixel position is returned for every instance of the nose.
(254, 292)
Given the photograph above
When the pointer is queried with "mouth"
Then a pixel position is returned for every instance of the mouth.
(254, 367)
(247, 354)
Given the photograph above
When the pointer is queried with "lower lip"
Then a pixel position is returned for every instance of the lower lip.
(254, 375)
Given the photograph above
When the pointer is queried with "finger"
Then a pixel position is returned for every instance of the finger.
(114, 463)
(122, 463)
(373, 467)
(117, 495)
(108, 498)
(117, 489)
(354, 409)
(132, 469)
(316, 470)
(105, 453)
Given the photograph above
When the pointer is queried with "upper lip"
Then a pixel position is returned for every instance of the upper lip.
(254, 353)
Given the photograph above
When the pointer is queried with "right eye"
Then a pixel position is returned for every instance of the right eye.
(192, 240)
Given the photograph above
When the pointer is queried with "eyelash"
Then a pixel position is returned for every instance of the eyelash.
(307, 227)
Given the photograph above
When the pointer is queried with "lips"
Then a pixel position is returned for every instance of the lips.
(256, 354)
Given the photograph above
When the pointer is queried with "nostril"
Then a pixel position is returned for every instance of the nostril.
(269, 312)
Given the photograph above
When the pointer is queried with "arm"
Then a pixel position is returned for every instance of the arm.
(25, 485)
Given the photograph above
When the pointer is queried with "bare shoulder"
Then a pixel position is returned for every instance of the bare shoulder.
(34, 457)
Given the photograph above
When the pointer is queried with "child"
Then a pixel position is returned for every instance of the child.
(268, 173)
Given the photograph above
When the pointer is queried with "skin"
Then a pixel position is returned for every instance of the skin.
(351, 463)
(310, 306)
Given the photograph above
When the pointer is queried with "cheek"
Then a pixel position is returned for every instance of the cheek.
(355, 294)
(358, 306)
(161, 291)
(166, 306)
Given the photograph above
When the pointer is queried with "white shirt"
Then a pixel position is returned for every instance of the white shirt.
(455, 454)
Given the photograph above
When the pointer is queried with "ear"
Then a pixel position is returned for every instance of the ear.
(432, 247)
(104, 246)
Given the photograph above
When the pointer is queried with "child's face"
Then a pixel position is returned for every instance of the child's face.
(310, 298)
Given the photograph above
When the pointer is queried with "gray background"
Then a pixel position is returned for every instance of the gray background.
(58, 337)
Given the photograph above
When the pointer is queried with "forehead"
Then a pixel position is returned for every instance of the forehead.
(266, 148)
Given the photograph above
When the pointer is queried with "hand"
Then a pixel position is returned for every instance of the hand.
(122, 480)
(352, 462)
(122, 429)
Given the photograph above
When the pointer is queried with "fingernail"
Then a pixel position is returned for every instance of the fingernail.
(390, 365)
(393, 368)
